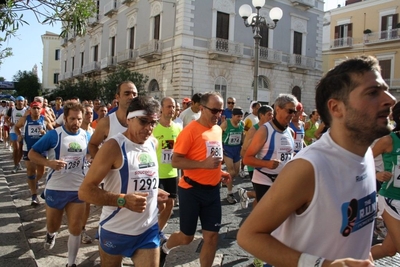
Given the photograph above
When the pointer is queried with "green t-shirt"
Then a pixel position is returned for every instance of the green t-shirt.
(166, 137)
(391, 163)
(232, 136)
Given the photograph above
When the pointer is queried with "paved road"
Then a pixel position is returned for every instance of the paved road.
(22, 229)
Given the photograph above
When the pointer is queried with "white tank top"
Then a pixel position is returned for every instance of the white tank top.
(344, 195)
(115, 126)
(16, 114)
(280, 146)
(138, 173)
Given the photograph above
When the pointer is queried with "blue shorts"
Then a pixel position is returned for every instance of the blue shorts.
(13, 137)
(57, 199)
(195, 203)
(126, 245)
(169, 185)
(232, 152)
(25, 155)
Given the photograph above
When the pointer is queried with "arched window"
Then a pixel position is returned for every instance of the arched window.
(220, 87)
(296, 91)
(153, 86)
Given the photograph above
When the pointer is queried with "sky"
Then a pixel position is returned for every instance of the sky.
(28, 49)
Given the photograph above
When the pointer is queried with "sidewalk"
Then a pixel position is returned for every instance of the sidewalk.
(23, 229)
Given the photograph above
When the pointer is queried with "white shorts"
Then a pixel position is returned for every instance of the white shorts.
(392, 206)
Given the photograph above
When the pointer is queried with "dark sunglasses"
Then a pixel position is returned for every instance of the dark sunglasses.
(231, 103)
(291, 111)
(214, 110)
(145, 122)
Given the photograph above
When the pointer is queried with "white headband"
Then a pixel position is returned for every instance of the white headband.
(140, 113)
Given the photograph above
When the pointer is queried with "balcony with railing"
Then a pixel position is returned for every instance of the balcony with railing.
(304, 3)
(111, 8)
(129, 2)
(64, 41)
(77, 72)
(94, 21)
(341, 43)
(127, 57)
(382, 36)
(91, 67)
(108, 63)
(300, 63)
(151, 51)
(224, 50)
(268, 56)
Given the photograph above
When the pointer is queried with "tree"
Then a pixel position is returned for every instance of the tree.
(26, 83)
(122, 74)
(73, 14)
(83, 88)
(6, 52)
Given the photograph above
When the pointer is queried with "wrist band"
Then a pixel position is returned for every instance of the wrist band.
(307, 260)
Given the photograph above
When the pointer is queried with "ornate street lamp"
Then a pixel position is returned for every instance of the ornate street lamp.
(256, 21)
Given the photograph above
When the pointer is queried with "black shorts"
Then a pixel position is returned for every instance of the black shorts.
(169, 185)
(260, 190)
(195, 203)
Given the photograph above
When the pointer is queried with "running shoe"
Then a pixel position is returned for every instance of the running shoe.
(163, 238)
(35, 201)
(242, 174)
(244, 199)
(231, 199)
(49, 241)
(85, 238)
(73, 265)
(15, 169)
(258, 263)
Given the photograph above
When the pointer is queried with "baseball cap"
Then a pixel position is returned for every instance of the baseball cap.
(36, 104)
(299, 107)
(20, 98)
(186, 100)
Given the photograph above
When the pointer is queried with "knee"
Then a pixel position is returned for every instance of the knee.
(186, 239)
(390, 252)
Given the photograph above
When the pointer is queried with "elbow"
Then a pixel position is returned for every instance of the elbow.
(246, 160)
(81, 194)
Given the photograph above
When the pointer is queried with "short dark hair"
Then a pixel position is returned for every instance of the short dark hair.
(147, 103)
(72, 106)
(340, 81)
(196, 98)
(264, 110)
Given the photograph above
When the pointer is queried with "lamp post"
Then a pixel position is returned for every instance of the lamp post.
(255, 21)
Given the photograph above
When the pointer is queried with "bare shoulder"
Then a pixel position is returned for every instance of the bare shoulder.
(382, 145)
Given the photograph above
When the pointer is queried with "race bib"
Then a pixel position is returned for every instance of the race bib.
(214, 147)
(298, 142)
(73, 163)
(235, 139)
(284, 156)
(396, 182)
(34, 130)
(166, 155)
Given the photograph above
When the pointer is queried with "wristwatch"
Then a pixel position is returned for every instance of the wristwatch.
(121, 201)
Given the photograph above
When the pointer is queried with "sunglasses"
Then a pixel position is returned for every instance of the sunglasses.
(291, 111)
(231, 103)
(214, 110)
(143, 122)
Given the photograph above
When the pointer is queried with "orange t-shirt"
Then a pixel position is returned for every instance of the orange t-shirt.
(94, 124)
(197, 142)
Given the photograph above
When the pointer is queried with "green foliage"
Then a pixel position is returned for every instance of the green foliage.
(122, 74)
(90, 88)
(6, 52)
(26, 83)
(74, 14)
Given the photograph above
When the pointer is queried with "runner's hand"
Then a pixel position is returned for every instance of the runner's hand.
(162, 196)
(136, 202)
(348, 262)
(273, 164)
(383, 176)
(225, 177)
(212, 162)
(57, 164)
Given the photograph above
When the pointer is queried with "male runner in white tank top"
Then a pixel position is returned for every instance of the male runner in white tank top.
(321, 208)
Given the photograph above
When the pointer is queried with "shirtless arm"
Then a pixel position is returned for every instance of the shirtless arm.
(383, 145)
(281, 200)
(99, 136)
(108, 158)
(258, 141)
(247, 140)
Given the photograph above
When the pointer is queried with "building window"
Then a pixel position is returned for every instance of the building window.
(153, 86)
(222, 25)
(57, 54)
(263, 92)
(264, 32)
(82, 59)
(65, 66)
(220, 87)
(112, 46)
(388, 23)
(343, 35)
(156, 27)
(296, 91)
(96, 53)
(386, 69)
(297, 43)
(132, 38)
(55, 78)
(73, 63)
